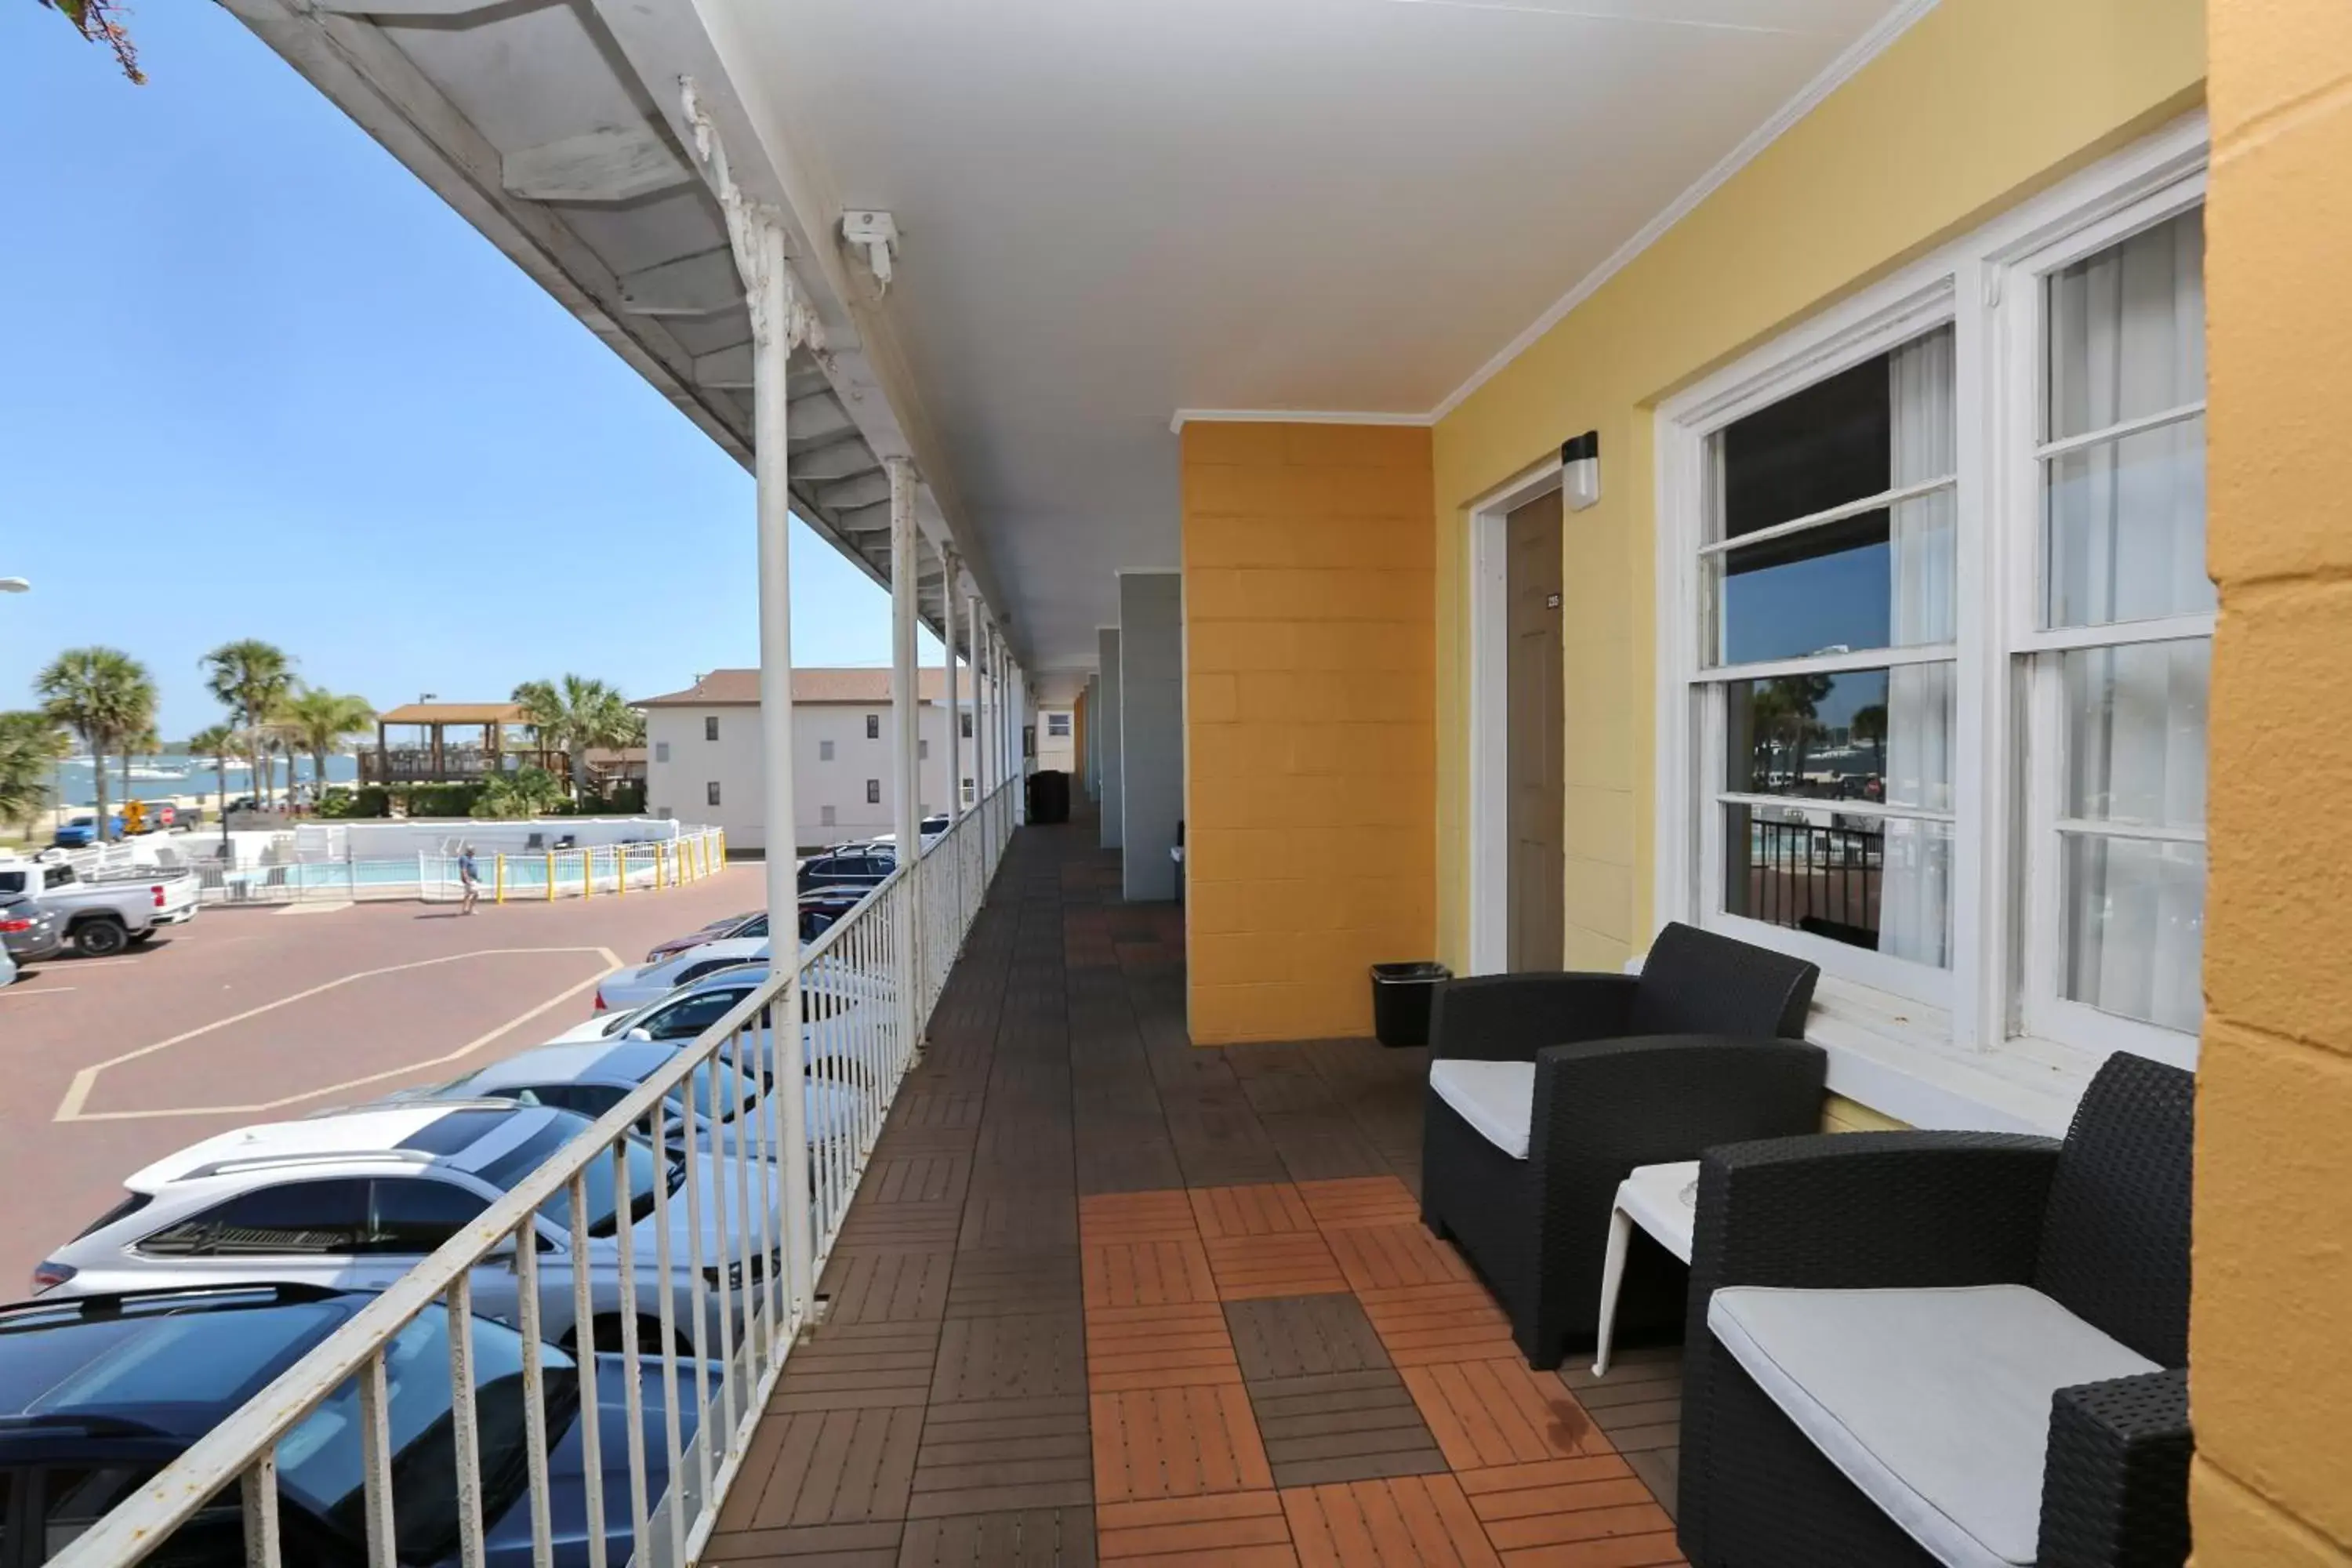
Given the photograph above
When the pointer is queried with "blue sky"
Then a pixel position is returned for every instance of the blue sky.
(262, 383)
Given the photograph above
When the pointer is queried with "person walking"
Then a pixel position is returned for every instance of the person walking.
(468, 877)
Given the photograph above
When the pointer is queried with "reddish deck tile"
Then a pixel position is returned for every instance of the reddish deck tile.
(1175, 1442)
(1248, 1268)
(1453, 1321)
(1187, 1345)
(1486, 1413)
(1359, 1200)
(1388, 1256)
(1148, 1274)
(1245, 1530)
(1409, 1522)
(1265, 1208)
(1113, 1217)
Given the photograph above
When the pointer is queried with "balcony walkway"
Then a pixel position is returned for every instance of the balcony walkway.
(1106, 1296)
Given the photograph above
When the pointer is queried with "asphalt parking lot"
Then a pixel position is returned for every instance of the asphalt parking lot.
(246, 1016)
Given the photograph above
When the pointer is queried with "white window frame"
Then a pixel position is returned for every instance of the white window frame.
(2000, 991)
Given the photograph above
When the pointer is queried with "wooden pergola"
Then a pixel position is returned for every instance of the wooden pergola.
(435, 760)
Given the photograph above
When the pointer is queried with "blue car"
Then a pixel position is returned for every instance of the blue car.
(80, 832)
(98, 1393)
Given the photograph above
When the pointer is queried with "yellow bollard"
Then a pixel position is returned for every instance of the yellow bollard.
(587, 872)
(620, 869)
(722, 846)
(500, 895)
(551, 876)
(661, 864)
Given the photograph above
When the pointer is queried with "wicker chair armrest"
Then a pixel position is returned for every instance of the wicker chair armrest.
(2115, 1490)
(1856, 1210)
(1509, 1018)
(1646, 1099)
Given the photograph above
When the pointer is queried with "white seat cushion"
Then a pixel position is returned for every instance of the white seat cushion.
(1935, 1403)
(1498, 1099)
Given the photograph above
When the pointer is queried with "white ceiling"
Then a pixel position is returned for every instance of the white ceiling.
(1111, 212)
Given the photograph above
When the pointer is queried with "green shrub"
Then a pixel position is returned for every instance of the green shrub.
(340, 801)
(441, 800)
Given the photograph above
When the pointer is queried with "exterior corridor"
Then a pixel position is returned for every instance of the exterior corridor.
(1107, 1296)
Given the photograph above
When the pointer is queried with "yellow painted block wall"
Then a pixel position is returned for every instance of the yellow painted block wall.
(2270, 1362)
(1309, 724)
(1979, 103)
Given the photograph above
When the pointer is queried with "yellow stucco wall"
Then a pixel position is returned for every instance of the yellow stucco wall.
(2270, 1359)
(1308, 733)
(1979, 103)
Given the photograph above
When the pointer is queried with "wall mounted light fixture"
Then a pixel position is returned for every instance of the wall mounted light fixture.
(1580, 470)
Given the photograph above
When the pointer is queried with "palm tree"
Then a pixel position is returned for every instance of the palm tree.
(319, 721)
(103, 695)
(576, 713)
(219, 743)
(253, 679)
(30, 744)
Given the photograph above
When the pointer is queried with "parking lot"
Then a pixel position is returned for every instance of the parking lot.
(262, 1014)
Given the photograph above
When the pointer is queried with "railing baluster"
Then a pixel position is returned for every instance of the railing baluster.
(698, 1295)
(665, 1264)
(465, 1421)
(634, 1391)
(534, 1395)
(259, 1497)
(583, 1341)
(375, 1462)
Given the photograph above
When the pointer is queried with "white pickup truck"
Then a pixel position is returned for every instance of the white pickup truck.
(107, 913)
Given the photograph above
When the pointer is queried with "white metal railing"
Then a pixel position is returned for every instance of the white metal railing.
(595, 870)
(721, 1303)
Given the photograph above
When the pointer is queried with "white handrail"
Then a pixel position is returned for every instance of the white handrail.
(858, 1060)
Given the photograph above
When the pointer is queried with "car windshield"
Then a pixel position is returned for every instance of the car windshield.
(509, 1170)
(321, 1460)
(214, 1355)
(730, 1090)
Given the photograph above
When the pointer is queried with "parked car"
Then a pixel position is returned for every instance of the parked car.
(30, 929)
(107, 913)
(628, 988)
(81, 832)
(725, 926)
(822, 909)
(7, 968)
(593, 1077)
(819, 908)
(98, 1393)
(931, 829)
(352, 1200)
(851, 866)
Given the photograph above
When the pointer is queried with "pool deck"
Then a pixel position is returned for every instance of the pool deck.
(1105, 1296)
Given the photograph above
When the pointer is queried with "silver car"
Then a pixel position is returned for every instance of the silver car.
(354, 1200)
(30, 932)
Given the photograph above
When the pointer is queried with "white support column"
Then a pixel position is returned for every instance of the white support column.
(906, 714)
(948, 663)
(781, 322)
(979, 635)
(1020, 758)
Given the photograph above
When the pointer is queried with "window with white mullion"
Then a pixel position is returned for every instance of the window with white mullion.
(2118, 664)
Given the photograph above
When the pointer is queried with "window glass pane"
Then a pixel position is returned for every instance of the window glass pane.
(2128, 330)
(295, 1217)
(2135, 927)
(77, 1497)
(1860, 734)
(1880, 883)
(2126, 528)
(416, 1214)
(2135, 732)
(1881, 579)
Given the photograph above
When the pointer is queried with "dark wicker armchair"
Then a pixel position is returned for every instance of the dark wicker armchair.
(1702, 1047)
(2097, 1227)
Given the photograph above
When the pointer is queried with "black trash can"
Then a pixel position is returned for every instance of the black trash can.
(1049, 796)
(1402, 996)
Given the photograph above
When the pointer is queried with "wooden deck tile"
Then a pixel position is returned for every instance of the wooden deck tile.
(1413, 1521)
(928, 1176)
(838, 1466)
(892, 1287)
(998, 1284)
(1010, 1357)
(874, 1545)
(1247, 1267)
(1586, 1514)
(1303, 1336)
(1265, 1208)
(1120, 1218)
(994, 1455)
(1175, 1442)
(859, 1366)
(1013, 1220)
(1245, 1530)
(903, 1227)
(1341, 1427)
(1025, 1538)
(1364, 1200)
(1387, 1256)
(1488, 1412)
(1148, 1274)
(1183, 1346)
(1422, 1323)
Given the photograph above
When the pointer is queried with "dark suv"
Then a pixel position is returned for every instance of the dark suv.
(98, 1393)
(853, 866)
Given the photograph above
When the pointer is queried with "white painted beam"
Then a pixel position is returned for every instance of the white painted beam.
(700, 285)
(395, 10)
(611, 164)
